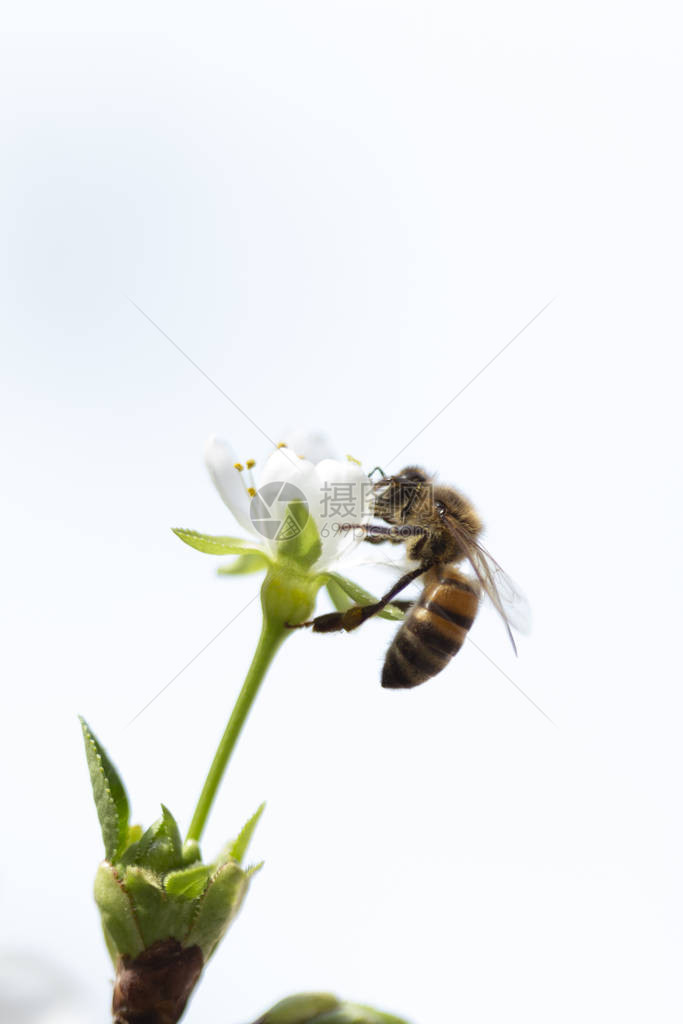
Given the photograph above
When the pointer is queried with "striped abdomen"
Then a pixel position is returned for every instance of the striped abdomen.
(433, 630)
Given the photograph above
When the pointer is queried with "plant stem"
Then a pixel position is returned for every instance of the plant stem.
(272, 635)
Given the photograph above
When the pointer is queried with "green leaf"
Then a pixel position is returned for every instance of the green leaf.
(160, 848)
(109, 794)
(361, 596)
(301, 540)
(217, 907)
(189, 883)
(239, 847)
(116, 911)
(256, 561)
(217, 545)
(134, 833)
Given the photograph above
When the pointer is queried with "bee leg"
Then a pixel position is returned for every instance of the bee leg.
(396, 535)
(381, 534)
(374, 534)
(355, 616)
(417, 549)
(333, 622)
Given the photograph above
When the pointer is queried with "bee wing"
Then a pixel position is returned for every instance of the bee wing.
(503, 593)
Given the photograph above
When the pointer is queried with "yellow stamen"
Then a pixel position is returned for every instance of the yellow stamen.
(251, 463)
(239, 466)
(356, 462)
(282, 444)
(251, 491)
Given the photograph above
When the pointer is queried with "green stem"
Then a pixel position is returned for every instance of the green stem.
(272, 635)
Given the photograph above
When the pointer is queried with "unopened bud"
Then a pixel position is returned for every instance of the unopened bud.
(323, 1008)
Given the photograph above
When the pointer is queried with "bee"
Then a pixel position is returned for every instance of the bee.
(440, 530)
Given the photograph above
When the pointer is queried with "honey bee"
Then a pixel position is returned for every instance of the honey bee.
(440, 530)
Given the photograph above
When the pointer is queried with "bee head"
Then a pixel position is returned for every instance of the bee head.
(399, 494)
(412, 474)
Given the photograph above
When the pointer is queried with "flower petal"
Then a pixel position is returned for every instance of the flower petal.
(344, 498)
(220, 461)
(285, 478)
(313, 445)
(285, 465)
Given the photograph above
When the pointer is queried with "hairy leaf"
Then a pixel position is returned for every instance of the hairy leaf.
(255, 561)
(217, 545)
(189, 883)
(109, 793)
(239, 847)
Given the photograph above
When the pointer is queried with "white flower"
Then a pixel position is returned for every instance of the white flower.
(313, 445)
(305, 521)
(337, 495)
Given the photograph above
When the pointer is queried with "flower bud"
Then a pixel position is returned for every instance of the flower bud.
(163, 911)
(323, 1008)
(299, 1009)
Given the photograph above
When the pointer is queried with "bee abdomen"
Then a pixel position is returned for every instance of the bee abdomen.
(432, 633)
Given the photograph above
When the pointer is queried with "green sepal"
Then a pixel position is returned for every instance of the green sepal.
(217, 907)
(109, 794)
(195, 905)
(255, 561)
(238, 847)
(121, 931)
(159, 916)
(300, 538)
(111, 946)
(360, 596)
(189, 883)
(217, 545)
(160, 848)
(341, 601)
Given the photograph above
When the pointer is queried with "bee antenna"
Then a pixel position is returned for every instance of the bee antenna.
(377, 469)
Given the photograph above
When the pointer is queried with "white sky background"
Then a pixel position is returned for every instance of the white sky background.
(342, 212)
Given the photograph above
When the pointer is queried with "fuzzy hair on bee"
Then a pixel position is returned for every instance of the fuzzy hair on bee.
(440, 530)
